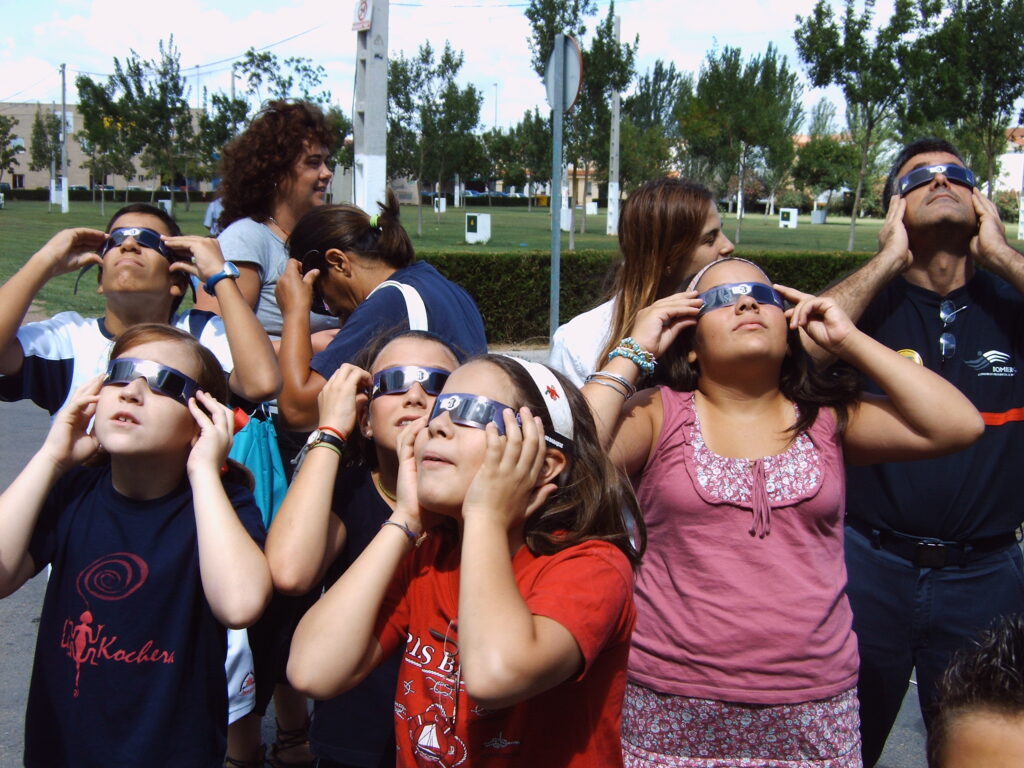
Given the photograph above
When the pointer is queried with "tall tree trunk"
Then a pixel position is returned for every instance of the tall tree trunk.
(860, 188)
(739, 194)
(419, 209)
(572, 211)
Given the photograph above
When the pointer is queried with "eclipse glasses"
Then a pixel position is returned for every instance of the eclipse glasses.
(730, 293)
(147, 238)
(921, 176)
(162, 379)
(472, 411)
(400, 379)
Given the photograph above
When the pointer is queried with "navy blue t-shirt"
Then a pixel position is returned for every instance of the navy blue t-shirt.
(357, 728)
(451, 314)
(129, 664)
(973, 493)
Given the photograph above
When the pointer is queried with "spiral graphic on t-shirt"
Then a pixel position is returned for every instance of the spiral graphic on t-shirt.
(112, 577)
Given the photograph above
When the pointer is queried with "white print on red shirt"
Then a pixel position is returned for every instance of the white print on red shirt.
(108, 578)
(432, 732)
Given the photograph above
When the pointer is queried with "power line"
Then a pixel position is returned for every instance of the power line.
(28, 87)
(203, 67)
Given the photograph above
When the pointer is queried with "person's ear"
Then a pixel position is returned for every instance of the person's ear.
(691, 356)
(339, 260)
(555, 463)
(364, 422)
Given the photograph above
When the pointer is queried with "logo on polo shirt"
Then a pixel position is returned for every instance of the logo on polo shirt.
(992, 363)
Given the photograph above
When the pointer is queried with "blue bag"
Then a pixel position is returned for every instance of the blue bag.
(255, 446)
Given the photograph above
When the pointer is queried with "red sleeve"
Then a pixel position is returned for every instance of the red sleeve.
(588, 589)
(392, 627)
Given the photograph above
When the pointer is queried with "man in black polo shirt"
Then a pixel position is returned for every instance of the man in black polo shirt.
(930, 545)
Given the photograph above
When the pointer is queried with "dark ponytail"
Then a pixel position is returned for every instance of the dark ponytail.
(349, 228)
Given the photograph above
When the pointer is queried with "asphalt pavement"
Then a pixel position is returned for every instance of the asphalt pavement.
(23, 428)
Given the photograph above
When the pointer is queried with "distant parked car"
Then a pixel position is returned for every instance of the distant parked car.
(104, 187)
(78, 188)
(472, 193)
(4, 186)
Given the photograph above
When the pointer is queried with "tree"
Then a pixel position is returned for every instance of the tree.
(739, 114)
(964, 89)
(296, 76)
(142, 110)
(110, 136)
(44, 154)
(431, 120)
(870, 71)
(649, 130)
(219, 123)
(825, 165)
(548, 18)
(340, 125)
(9, 150)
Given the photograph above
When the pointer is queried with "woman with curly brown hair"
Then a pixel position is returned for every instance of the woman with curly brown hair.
(272, 175)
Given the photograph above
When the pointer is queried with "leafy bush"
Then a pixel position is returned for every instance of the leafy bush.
(512, 289)
(1008, 203)
(791, 198)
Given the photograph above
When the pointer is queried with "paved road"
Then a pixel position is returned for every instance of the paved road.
(24, 427)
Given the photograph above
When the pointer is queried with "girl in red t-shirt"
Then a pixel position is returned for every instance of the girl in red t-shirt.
(503, 575)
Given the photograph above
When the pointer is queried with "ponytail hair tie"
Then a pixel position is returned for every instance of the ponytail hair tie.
(373, 221)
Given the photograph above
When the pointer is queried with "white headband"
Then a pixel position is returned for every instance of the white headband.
(696, 278)
(553, 394)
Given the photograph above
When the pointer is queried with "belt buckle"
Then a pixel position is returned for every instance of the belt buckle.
(930, 554)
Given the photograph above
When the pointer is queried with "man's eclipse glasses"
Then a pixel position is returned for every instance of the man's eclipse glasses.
(147, 238)
(921, 176)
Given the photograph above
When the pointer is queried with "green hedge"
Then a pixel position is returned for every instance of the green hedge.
(512, 289)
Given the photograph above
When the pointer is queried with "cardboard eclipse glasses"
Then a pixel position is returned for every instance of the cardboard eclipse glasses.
(162, 379)
(728, 294)
(921, 176)
(400, 379)
(472, 411)
(147, 238)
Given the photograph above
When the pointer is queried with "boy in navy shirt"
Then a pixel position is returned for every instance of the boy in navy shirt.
(153, 555)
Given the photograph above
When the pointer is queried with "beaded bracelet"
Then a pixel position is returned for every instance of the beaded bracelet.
(627, 385)
(630, 349)
(403, 528)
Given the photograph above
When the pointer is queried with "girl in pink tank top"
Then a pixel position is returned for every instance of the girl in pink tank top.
(743, 654)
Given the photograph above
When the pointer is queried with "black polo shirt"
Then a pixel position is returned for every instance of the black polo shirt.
(976, 492)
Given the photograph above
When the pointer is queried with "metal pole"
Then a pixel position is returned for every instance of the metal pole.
(495, 106)
(556, 179)
(63, 140)
(612, 226)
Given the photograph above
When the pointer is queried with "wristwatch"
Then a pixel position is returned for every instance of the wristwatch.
(229, 270)
(318, 436)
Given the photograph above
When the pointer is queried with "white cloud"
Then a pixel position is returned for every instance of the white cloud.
(87, 34)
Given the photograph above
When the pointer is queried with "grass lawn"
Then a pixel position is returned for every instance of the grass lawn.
(26, 225)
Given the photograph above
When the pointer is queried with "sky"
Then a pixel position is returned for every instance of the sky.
(37, 37)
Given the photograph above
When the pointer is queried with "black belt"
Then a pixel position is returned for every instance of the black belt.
(931, 553)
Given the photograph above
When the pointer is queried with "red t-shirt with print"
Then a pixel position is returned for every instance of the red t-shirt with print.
(586, 588)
